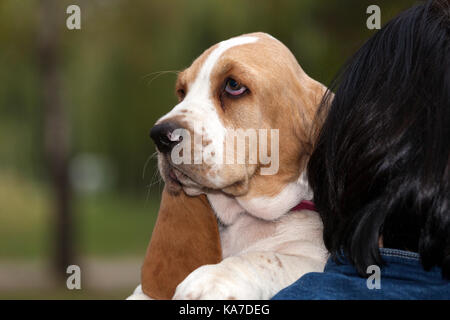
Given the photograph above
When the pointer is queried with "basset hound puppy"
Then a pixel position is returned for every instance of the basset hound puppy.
(241, 134)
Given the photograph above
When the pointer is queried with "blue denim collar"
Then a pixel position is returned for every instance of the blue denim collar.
(397, 263)
(387, 252)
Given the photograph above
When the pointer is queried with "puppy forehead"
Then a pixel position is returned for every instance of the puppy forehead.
(255, 53)
(266, 56)
(231, 48)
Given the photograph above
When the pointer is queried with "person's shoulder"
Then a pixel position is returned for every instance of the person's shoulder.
(326, 286)
(308, 287)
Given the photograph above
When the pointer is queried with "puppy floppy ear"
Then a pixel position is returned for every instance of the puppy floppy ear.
(308, 96)
(185, 237)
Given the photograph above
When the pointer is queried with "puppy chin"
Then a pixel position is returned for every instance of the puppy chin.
(175, 181)
(174, 187)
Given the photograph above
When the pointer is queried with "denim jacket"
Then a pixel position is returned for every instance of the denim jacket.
(402, 277)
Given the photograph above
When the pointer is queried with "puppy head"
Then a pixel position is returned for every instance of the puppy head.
(242, 122)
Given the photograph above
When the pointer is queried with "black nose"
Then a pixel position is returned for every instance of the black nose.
(163, 138)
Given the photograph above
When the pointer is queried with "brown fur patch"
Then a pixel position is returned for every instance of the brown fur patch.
(171, 255)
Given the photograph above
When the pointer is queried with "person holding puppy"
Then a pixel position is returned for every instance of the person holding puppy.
(381, 167)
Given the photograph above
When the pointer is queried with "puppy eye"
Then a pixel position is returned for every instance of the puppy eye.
(233, 87)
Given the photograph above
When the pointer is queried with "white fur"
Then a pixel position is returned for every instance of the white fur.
(261, 257)
(271, 208)
(292, 248)
(138, 294)
(226, 208)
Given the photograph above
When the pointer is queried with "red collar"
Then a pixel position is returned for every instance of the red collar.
(304, 205)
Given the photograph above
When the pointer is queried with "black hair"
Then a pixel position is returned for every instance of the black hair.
(380, 166)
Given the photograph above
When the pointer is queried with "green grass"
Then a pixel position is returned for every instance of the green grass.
(108, 224)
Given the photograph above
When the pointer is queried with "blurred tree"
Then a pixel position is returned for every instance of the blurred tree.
(56, 132)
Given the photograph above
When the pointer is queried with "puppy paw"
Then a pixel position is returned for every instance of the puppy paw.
(215, 282)
(138, 294)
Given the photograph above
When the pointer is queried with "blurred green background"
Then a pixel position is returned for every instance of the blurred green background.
(78, 184)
